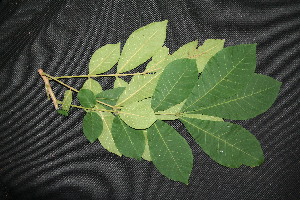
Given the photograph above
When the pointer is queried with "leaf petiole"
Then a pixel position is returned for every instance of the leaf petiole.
(102, 75)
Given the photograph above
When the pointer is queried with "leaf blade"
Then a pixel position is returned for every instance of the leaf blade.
(257, 96)
(93, 85)
(106, 138)
(218, 82)
(170, 152)
(92, 126)
(228, 144)
(141, 45)
(67, 100)
(209, 48)
(175, 83)
(130, 142)
(86, 98)
(138, 115)
(104, 58)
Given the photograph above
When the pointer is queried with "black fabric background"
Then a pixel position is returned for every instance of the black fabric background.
(45, 156)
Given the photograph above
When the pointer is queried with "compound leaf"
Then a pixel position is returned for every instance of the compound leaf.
(86, 98)
(104, 58)
(130, 142)
(228, 144)
(175, 84)
(257, 96)
(141, 45)
(170, 152)
(92, 126)
(224, 75)
(138, 115)
(93, 85)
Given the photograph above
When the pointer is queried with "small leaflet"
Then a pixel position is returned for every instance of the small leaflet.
(92, 85)
(138, 115)
(92, 126)
(86, 98)
(110, 96)
(104, 58)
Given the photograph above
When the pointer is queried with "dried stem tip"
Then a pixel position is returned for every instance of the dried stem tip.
(48, 88)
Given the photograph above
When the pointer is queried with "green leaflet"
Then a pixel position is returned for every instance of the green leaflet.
(104, 58)
(202, 117)
(63, 112)
(171, 113)
(120, 83)
(224, 75)
(186, 51)
(91, 84)
(86, 98)
(110, 96)
(175, 84)
(130, 142)
(209, 48)
(142, 86)
(67, 100)
(228, 144)
(146, 154)
(138, 115)
(257, 96)
(159, 60)
(141, 45)
(170, 152)
(106, 138)
(92, 126)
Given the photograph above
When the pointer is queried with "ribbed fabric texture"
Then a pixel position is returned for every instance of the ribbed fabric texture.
(45, 156)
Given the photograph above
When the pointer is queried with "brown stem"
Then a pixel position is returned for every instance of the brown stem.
(48, 88)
